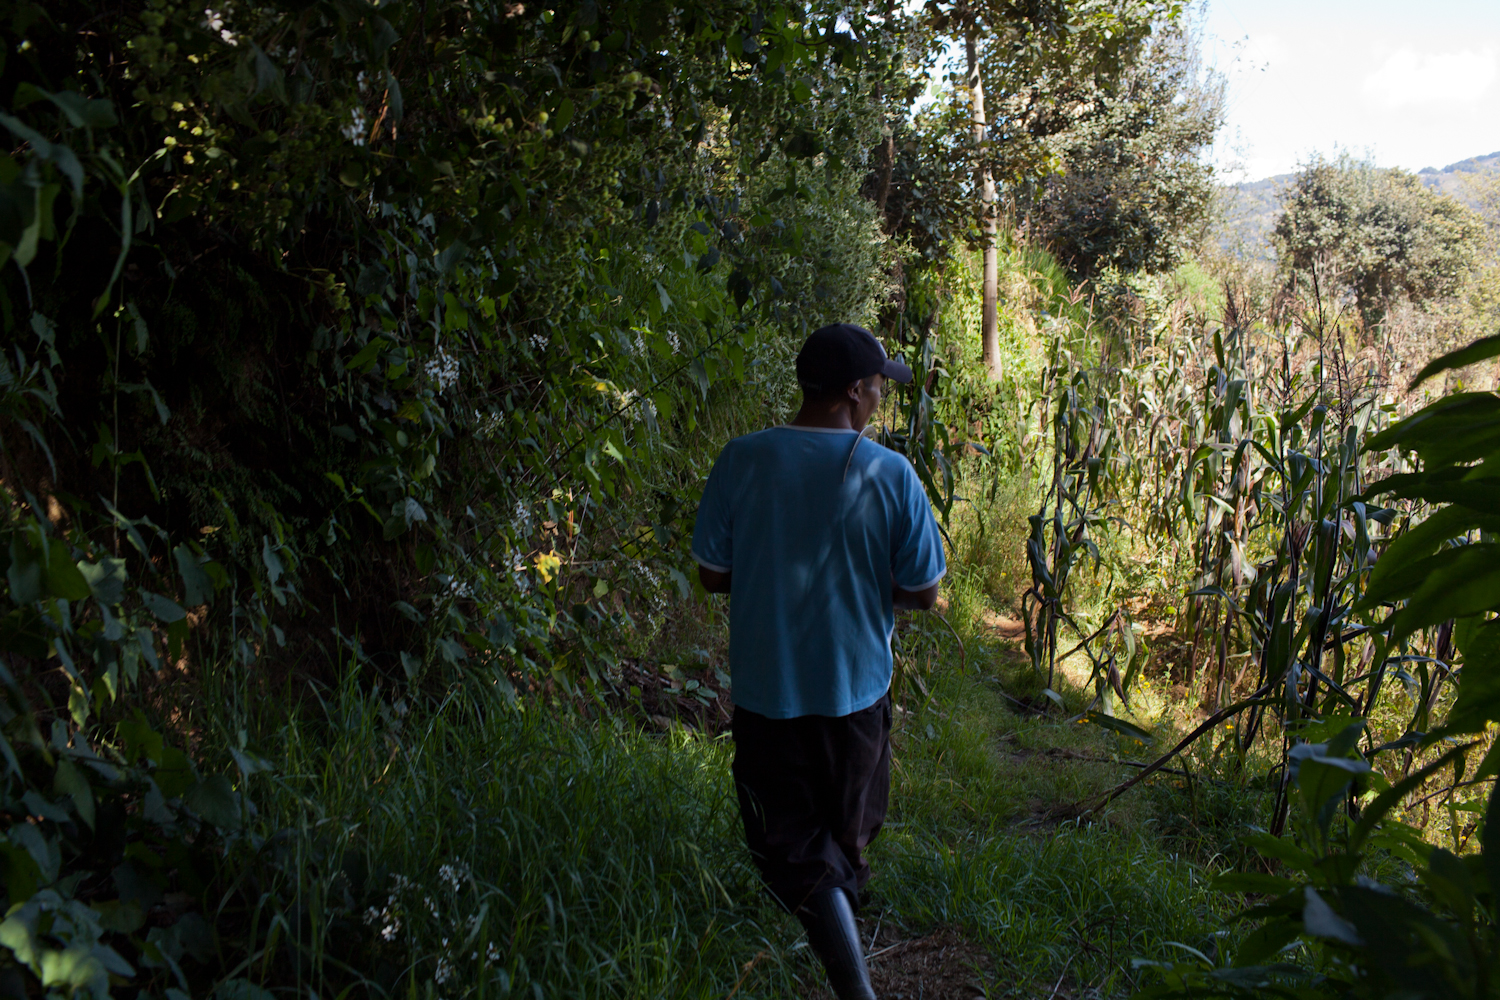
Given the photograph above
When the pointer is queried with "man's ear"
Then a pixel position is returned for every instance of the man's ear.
(851, 391)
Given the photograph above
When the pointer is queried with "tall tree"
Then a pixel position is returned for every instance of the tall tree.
(984, 183)
(1375, 235)
(1134, 192)
(1029, 65)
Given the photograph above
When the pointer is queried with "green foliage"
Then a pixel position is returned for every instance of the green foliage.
(344, 339)
(1058, 79)
(1442, 570)
(1133, 193)
(1378, 236)
(1325, 929)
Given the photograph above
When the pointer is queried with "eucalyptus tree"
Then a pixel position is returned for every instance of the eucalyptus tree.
(1030, 69)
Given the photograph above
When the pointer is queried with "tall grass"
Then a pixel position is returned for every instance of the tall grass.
(473, 850)
(506, 853)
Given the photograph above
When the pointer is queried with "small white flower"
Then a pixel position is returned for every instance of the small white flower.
(355, 130)
(444, 971)
(442, 369)
(486, 425)
(214, 21)
(539, 342)
(625, 403)
(457, 872)
(520, 521)
(674, 341)
(492, 953)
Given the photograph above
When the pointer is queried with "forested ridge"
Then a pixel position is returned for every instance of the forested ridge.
(363, 365)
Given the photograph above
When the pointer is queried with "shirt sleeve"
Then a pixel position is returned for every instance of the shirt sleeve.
(918, 560)
(713, 531)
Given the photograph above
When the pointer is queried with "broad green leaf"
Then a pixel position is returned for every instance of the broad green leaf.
(105, 579)
(1282, 850)
(214, 799)
(1456, 583)
(69, 781)
(240, 989)
(1252, 882)
(26, 570)
(1319, 920)
(1480, 350)
(1478, 699)
(174, 773)
(197, 588)
(63, 578)
(1391, 576)
(1457, 428)
(120, 917)
(164, 608)
(23, 632)
(1118, 725)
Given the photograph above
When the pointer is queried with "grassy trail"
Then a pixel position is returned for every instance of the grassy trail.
(509, 854)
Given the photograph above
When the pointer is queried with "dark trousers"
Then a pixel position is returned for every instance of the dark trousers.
(813, 794)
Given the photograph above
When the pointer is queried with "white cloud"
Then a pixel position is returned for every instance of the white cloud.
(1411, 79)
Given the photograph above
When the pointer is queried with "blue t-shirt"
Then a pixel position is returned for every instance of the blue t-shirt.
(814, 551)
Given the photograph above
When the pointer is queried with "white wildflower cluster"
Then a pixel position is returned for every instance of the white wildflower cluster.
(355, 130)
(646, 573)
(640, 342)
(442, 369)
(518, 572)
(455, 874)
(487, 424)
(674, 341)
(460, 589)
(655, 603)
(492, 953)
(388, 918)
(520, 520)
(632, 406)
(214, 21)
(444, 968)
(625, 404)
(539, 342)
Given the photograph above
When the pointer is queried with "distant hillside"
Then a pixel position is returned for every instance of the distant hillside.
(1250, 208)
(1457, 180)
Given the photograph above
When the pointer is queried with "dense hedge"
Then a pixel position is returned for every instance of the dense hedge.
(380, 339)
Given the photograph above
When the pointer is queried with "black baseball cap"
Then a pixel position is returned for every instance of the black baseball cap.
(840, 353)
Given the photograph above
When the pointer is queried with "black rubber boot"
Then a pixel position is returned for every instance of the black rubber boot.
(831, 931)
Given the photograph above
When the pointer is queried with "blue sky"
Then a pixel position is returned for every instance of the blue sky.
(1409, 84)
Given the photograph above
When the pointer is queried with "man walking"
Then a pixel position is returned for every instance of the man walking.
(818, 535)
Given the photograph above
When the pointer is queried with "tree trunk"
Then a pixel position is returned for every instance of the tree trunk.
(984, 181)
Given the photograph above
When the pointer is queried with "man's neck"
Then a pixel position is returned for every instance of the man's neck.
(835, 417)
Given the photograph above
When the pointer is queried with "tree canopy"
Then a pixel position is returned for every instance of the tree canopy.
(1376, 235)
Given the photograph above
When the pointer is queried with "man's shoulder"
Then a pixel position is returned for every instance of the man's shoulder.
(751, 442)
(887, 462)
